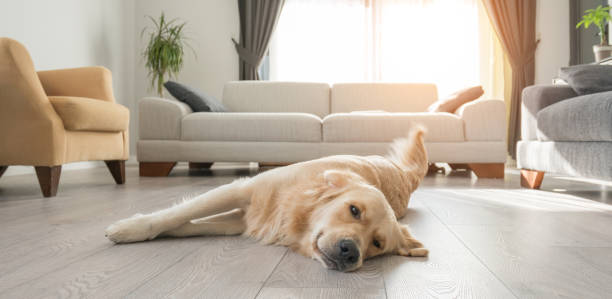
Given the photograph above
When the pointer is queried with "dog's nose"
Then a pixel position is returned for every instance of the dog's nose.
(349, 253)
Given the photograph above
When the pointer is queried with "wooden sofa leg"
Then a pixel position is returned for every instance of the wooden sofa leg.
(2, 170)
(488, 170)
(117, 170)
(155, 168)
(48, 178)
(200, 165)
(531, 178)
(455, 166)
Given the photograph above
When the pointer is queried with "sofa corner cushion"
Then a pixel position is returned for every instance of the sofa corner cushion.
(251, 126)
(84, 114)
(385, 127)
(583, 118)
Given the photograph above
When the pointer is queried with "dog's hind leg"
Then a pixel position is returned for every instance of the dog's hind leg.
(229, 223)
(236, 195)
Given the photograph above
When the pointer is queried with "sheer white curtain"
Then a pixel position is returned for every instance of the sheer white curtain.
(446, 42)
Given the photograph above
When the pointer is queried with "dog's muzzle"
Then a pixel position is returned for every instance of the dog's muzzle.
(345, 255)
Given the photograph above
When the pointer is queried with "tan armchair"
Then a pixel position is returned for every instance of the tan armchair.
(55, 117)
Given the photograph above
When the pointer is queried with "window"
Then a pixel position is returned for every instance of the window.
(447, 42)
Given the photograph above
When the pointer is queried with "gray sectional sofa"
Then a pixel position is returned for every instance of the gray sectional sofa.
(564, 133)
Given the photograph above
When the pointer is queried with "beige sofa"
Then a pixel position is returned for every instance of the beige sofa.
(285, 122)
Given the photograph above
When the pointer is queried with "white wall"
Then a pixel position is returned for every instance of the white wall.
(72, 33)
(75, 33)
(552, 28)
(211, 24)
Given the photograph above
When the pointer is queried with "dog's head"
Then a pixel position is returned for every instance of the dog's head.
(358, 223)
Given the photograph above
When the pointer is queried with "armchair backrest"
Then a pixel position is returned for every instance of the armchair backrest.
(21, 93)
(31, 131)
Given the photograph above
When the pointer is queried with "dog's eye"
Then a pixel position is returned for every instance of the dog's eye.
(376, 243)
(355, 211)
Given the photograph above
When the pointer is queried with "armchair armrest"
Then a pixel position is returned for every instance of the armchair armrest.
(161, 118)
(484, 120)
(86, 82)
(536, 98)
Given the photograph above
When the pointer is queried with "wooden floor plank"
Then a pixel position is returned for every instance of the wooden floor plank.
(536, 269)
(321, 293)
(232, 262)
(111, 273)
(487, 238)
(296, 271)
(450, 270)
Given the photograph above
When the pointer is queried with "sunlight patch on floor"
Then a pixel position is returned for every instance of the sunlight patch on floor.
(530, 199)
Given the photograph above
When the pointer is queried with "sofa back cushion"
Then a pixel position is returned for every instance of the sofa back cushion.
(390, 97)
(270, 96)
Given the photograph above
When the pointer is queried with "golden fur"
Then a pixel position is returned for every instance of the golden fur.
(310, 207)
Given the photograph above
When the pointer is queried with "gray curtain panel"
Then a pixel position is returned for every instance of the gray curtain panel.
(257, 21)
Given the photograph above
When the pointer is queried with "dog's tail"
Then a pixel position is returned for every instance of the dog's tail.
(410, 155)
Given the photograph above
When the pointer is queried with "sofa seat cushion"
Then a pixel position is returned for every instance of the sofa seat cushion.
(385, 127)
(84, 114)
(583, 118)
(251, 126)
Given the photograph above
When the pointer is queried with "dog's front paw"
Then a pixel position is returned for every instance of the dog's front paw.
(418, 252)
(134, 229)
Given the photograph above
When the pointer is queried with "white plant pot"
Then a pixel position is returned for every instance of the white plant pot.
(602, 52)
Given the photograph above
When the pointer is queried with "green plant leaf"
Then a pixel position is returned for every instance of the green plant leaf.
(164, 52)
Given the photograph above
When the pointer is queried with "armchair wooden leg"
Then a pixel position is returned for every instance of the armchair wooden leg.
(155, 168)
(200, 165)
(2, 170)
(48, 178)
(117, 169)
(531, 178)
(488, 170)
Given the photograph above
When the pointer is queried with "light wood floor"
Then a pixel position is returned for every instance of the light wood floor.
(487, 239)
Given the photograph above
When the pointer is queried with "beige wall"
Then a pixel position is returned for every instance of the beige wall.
(552, 28)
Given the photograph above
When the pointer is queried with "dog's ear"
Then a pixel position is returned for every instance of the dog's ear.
(336, 178)
(408, 245)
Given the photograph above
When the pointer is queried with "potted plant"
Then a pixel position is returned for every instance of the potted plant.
(599, 17)
(165, 50)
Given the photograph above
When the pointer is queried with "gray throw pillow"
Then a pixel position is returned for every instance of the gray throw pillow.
(197, 100)
(588, 78)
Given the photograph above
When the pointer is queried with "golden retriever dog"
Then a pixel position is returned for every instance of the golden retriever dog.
(339, 210)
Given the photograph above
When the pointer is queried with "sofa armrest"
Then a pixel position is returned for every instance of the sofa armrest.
(484, 120)
(536, 98)
(93, 82)
(160, 119)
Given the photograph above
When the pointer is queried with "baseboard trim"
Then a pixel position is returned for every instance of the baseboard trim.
(22, 170)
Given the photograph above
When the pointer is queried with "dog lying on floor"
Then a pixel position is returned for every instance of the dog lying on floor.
(338, 210)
